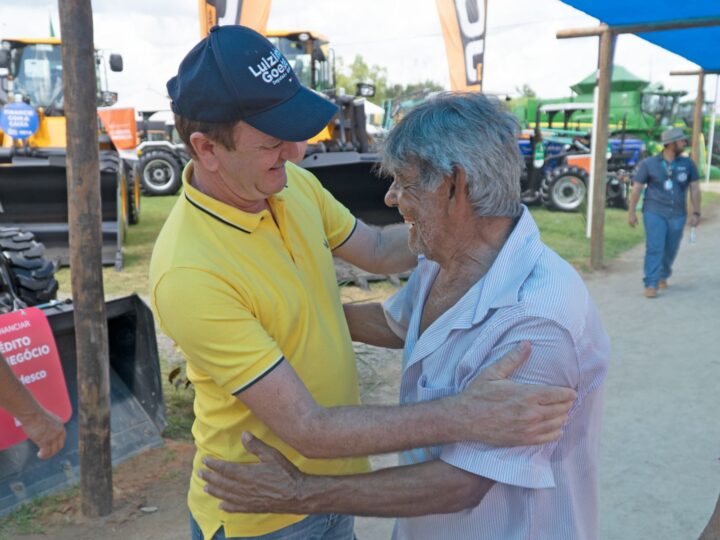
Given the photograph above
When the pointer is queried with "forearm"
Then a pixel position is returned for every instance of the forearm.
(367, 324)
(392, 254)
(428, 488)
(14, 397)
(374, 429)
(416, 490)
(695, 197)
(634, 196)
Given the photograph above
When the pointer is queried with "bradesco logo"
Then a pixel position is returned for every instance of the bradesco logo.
(28, 346)
(272, 68)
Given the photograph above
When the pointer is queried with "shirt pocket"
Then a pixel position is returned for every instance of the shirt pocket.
(427, 392)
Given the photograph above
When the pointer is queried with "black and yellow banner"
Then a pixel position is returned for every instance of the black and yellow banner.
(251, 13)
(463, 25)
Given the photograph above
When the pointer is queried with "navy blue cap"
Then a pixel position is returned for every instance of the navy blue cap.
(237, 74)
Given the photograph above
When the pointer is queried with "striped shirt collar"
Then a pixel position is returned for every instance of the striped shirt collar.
(500, 287)
(507, 274)
(231, 216)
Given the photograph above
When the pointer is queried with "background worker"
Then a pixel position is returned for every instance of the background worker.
(666, 178)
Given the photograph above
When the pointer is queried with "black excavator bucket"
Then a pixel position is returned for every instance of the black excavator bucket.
(137, 408)
(33, 196)
(352, 179)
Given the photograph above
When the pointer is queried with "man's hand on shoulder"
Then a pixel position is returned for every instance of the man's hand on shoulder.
(501, 412)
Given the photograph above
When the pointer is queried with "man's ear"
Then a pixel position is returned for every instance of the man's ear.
(458, 182)
(205, 150)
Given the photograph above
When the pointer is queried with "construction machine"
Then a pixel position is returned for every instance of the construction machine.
(33, 196)
(343, 155)
(33, 189)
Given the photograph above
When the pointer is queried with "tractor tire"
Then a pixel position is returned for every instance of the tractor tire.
(564, 189)
(160, 173)
(22, 262)
(133, 196)
(616, 192)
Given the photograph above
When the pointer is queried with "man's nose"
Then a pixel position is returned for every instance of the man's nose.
(391, 197)
(290, 151)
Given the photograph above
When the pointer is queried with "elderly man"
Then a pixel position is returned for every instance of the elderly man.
(666, 178)
(484, 283)
(242, 279)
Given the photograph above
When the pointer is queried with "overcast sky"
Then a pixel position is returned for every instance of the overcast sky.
(402, 35)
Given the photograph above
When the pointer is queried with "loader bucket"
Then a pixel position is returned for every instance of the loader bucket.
(33, 197)
(352, 180)
(137, 409)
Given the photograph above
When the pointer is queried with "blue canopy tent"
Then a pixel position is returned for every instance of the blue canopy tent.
(698, 45)
(690, 29)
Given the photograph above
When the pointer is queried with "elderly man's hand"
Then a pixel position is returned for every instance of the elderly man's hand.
(46, 431)
(269, 486)
(506, 413)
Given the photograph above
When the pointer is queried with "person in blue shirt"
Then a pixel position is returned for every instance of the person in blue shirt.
(666, 178)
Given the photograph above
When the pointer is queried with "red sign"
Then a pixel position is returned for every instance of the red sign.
(27, 343)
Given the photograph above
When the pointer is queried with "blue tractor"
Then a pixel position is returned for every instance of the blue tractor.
(557, 161)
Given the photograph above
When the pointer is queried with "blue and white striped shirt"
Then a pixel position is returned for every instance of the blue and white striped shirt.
(545, 492)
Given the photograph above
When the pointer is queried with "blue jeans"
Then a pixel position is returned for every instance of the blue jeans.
(318, 527)
(662, 241)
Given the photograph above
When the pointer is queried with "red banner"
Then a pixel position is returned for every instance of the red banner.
(28, 345)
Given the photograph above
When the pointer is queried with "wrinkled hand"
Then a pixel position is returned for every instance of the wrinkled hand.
(632, 219)
(500, 412)
(271, 486)
(46, 431)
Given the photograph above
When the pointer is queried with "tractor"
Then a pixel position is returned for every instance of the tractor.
(557, 161)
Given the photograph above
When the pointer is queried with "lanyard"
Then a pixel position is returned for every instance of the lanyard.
(668, 184)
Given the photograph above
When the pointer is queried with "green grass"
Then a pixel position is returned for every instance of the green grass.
(138, 247)
(565, 233)
(179, 413)
(26, 519)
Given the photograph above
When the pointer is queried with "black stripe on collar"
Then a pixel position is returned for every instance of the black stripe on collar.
(213, 215)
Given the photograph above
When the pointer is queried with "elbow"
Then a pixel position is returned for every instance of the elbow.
(468, 494)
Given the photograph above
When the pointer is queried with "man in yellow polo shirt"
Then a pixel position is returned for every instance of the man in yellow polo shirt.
(242, 279)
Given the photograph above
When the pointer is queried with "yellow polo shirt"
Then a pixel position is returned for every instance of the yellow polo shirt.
(238, 292)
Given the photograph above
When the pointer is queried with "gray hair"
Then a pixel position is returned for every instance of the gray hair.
(465, 130)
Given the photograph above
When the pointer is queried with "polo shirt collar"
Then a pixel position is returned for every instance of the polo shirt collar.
(231, 216)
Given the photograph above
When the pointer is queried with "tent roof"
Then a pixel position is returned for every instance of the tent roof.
(622, 80)
(699, 45)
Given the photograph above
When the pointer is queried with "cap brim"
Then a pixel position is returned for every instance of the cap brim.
(298, 119)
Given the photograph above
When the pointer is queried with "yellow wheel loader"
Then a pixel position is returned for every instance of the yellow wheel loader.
(33, 190)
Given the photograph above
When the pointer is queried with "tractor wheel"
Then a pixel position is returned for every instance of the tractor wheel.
(159, 173)
(616, 192)
(133, 196)
(564, 188)
(25, 273)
